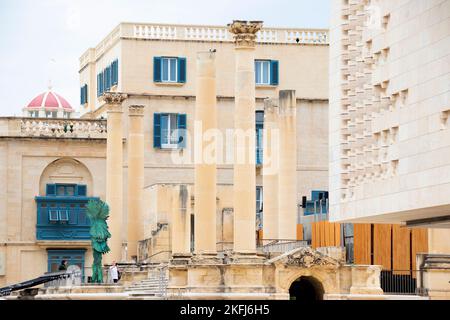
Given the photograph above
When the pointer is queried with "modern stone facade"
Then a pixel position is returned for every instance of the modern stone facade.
(389, 105)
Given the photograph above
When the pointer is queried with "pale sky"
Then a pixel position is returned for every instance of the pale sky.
(42, 40)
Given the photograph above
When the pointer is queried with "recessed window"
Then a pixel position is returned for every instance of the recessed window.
(168, 126)
(169, 69)
(169, 130)
(262, 71)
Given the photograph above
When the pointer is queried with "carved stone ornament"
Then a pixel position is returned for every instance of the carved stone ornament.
(114, 97)
(245, 32)
(307, 257)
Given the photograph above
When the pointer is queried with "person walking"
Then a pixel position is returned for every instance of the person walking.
(114, 272)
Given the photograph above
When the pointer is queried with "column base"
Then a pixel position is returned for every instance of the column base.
(206, 258)
(180, 259)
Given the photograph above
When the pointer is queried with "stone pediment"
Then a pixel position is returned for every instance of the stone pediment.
(304, 257)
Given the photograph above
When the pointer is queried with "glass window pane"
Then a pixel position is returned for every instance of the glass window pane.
(70, 190)
(173, 69)
(165, 69)
(164, 129)
(258, 71)
(265, 72)
(173, 127)
(60, 190)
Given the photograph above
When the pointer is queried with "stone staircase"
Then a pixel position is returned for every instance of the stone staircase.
(155, 286)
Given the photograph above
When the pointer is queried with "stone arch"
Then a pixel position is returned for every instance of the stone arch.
(306, 288)
(325, 276)
(66, 170)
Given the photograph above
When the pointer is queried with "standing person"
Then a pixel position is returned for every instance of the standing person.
(63, 266)
(114, 272)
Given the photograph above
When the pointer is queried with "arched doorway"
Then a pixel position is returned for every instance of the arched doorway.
(306, 289)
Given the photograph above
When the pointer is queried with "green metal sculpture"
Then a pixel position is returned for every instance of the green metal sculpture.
(98, 212)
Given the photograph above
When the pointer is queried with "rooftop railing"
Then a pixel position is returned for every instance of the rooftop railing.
(52, 128)
(153, 31)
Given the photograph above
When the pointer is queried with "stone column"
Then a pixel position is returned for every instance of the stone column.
(287, 179)
(180, 222)
(205, 169)
(270, 170)
(114, 173)
(135, 230)
(244, 144)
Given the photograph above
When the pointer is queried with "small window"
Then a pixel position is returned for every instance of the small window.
(70, 190)
(262, 72)
(168, 126)
(53, 215)
(63, 215)
(61, 191)
(169, 69)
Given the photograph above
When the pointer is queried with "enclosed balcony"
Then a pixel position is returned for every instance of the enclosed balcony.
(61, 213)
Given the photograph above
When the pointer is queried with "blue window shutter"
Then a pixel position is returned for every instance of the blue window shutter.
(115, 72)
(274, 72)
(157, 130)
(81, 95)
(157, 69)
(80, 190)
(98, 85)
(101, 83)
(181, 65)
(181, 126)
(50, 190)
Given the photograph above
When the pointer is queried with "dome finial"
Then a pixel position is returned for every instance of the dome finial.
(50, 85)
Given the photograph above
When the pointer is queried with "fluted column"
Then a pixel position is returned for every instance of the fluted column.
(287, 179)
(135, 227)
(205, 169)
(114, 173)
(270, 170)
(244, 125)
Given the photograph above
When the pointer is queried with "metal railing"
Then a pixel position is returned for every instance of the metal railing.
(399, 282)
(281, 245)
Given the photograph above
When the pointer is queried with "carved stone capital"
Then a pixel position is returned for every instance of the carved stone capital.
(245, 32)
(136, 111)
(112, 98)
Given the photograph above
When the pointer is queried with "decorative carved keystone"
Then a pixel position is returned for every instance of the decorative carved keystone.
(245, 32)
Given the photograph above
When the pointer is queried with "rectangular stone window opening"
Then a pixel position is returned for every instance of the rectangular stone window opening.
(262, 72)
(168, 127)
(169, 70)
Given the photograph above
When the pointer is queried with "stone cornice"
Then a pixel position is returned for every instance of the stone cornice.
(245, 32)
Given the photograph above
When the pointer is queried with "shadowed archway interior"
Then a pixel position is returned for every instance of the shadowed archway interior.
(306, 289)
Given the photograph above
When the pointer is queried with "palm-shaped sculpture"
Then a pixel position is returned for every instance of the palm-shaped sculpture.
(98, 212)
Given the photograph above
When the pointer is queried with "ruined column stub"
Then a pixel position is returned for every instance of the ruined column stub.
(136, 111)
(287, 103)
(245, 32)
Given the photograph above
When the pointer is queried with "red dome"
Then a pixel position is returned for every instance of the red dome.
(50, 100)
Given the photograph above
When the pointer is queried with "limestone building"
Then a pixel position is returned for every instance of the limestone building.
(52, 167)
(388, 120)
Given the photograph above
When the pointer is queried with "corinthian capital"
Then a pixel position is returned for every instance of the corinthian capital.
(114, 97)
(245, 32)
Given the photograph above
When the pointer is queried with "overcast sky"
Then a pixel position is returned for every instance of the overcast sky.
(41, 40)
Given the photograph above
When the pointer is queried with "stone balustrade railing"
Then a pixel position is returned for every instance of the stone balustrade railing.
(53, 128)
(154, 31)
(218, 33)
